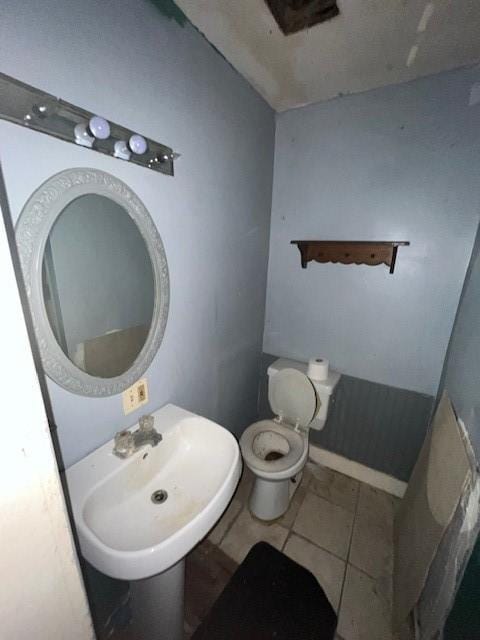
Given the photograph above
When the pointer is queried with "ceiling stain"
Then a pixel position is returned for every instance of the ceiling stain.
(170, 10)
(426, 15)
(412, 55)
(296, 15)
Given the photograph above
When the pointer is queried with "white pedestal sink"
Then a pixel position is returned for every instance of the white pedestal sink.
(138, 517)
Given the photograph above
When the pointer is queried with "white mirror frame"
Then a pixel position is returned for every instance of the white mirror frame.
(32, 231)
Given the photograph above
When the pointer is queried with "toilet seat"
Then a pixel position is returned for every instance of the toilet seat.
(282, 468)
(293, 398)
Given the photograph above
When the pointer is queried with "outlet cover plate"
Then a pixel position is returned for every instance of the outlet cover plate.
(135, 396)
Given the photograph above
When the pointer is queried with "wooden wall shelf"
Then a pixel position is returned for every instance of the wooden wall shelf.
(349, 251)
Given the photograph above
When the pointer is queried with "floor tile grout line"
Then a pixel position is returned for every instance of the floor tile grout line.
(227, 530)
(330, 501)
(367, 575)
(229, 527)
(290, 528)
(289, 534)
(355, 516)
(314, 544)
(340, 602)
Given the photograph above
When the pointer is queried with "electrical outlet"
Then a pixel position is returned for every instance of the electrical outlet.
(135, 396)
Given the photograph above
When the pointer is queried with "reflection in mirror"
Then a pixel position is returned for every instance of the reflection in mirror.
(98, 286)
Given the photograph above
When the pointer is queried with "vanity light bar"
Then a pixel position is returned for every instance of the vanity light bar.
(25, 105)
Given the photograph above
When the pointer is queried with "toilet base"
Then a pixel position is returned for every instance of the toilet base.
(270, 499)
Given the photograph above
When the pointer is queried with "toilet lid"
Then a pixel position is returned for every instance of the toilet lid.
(293, 397)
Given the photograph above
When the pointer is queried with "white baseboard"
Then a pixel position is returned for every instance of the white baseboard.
(358, 471)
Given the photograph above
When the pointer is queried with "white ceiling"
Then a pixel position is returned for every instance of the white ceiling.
(370, 44)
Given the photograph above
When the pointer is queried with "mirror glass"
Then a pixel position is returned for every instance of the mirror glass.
(98, 285)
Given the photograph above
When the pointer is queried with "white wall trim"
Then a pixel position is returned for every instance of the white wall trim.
(358, 471)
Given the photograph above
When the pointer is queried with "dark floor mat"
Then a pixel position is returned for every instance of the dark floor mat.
(269, 597)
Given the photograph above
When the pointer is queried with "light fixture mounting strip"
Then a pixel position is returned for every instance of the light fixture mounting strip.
(29, 107)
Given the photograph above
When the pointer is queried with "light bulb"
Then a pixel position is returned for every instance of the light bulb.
(121, 150)
(99, 127)
(82, 135)
(137, 144)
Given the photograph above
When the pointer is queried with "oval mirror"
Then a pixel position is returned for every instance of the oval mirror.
(97, 280)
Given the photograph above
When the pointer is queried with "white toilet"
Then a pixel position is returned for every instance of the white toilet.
(276, 450)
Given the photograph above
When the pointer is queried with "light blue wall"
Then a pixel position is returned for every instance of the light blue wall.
(127, 62)
(397, 163)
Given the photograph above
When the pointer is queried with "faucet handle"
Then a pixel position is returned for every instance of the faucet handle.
(124, 444)
(146, 422)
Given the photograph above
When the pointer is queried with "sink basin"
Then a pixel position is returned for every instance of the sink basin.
(139, 516)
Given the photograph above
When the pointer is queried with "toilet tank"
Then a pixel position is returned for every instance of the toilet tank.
(324, 388)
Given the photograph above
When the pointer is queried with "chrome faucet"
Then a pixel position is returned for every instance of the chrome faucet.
(128, 442)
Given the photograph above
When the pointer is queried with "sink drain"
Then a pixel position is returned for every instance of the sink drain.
(159, 496)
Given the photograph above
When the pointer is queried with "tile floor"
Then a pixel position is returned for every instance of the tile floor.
(337, 527)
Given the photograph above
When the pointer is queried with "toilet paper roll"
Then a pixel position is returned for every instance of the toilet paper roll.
(318, 368)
